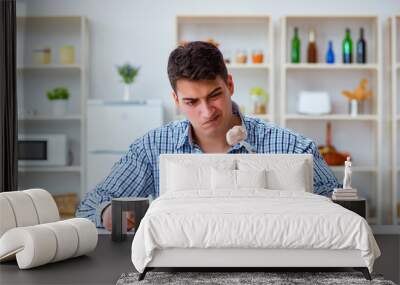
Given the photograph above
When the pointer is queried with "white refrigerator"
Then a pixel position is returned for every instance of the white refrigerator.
(112, 127)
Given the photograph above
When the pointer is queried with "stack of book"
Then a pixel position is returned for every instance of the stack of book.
(345, 194)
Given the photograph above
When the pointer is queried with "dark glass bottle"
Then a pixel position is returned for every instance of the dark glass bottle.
(312, 56)
(361, 48)
(296, 47)
(330, 55)
(347, 48)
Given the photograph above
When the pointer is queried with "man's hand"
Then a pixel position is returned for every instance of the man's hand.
(107, 219)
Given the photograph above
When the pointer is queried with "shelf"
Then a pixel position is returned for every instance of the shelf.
(53, 18)
(337, 117)
(50, 67)
(355, 168)
(234, 66)
(325, 66)
(51, 118)
(75, 168)
(330, 16)
(222, 18)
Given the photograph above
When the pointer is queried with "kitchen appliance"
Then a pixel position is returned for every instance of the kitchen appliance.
(42, 150)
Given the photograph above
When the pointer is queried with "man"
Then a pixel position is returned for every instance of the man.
(202, 90)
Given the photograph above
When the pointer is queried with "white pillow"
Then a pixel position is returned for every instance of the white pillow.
(188, 176)
(294, 180)
(251, 178)
(223, 179)
(282, 174)
(237, 179)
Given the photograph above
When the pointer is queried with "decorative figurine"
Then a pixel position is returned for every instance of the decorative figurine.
(347, 174)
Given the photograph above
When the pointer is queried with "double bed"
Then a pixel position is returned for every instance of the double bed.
(247, 210)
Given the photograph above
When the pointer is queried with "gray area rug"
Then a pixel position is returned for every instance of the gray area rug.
(225, 278)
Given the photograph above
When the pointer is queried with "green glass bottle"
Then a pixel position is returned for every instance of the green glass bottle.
(347, 48)
(296, 44)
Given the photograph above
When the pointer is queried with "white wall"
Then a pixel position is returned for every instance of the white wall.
(143, 33)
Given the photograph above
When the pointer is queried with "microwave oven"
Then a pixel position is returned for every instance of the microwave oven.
(42, 150)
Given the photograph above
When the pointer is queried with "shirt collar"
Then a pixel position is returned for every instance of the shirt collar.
(187, 139)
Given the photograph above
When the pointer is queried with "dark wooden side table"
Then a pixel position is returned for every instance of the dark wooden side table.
(119, 207)
(358, 206)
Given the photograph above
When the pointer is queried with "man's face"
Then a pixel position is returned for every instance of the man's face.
(206, 104)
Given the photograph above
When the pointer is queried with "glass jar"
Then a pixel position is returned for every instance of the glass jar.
(42, 56)
(67, 54)
(259, 105)
(241, 57)
(257, 56)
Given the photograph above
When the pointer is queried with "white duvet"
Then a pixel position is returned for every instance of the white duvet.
(253, 218)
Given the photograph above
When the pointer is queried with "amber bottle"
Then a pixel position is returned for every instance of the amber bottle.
(312, 48)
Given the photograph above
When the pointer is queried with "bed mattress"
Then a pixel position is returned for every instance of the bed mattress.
(250, 219)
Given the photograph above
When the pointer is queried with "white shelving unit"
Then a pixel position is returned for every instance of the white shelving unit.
(364, 129)
(233, 33)
(336, 66)
(394, 33)
(35, 110)
(48, 67)
(335, 117)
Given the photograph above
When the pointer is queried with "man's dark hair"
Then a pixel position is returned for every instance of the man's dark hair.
(196, 61)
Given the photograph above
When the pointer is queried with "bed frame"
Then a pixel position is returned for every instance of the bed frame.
(248, 259)
(245, 259)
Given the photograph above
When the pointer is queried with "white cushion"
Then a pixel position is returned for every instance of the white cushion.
(283, 172)
(23, 208)
(7, 218)
(295, 179)
(223, 179)
(40, 244)
(189, 174)
(67, 238)
(26, 208)
(87, 235)
(251, 178)
(45, 205)
(237, 179)
(32, 246)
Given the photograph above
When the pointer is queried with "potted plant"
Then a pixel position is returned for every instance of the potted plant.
(58, 96)
(128, 74)
(357, 97)
(260, 99)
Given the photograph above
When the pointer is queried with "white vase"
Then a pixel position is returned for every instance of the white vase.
(353, 108)
(127, 92)
(59, 107)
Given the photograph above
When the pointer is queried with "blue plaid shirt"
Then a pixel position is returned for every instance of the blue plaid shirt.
(137, 172)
